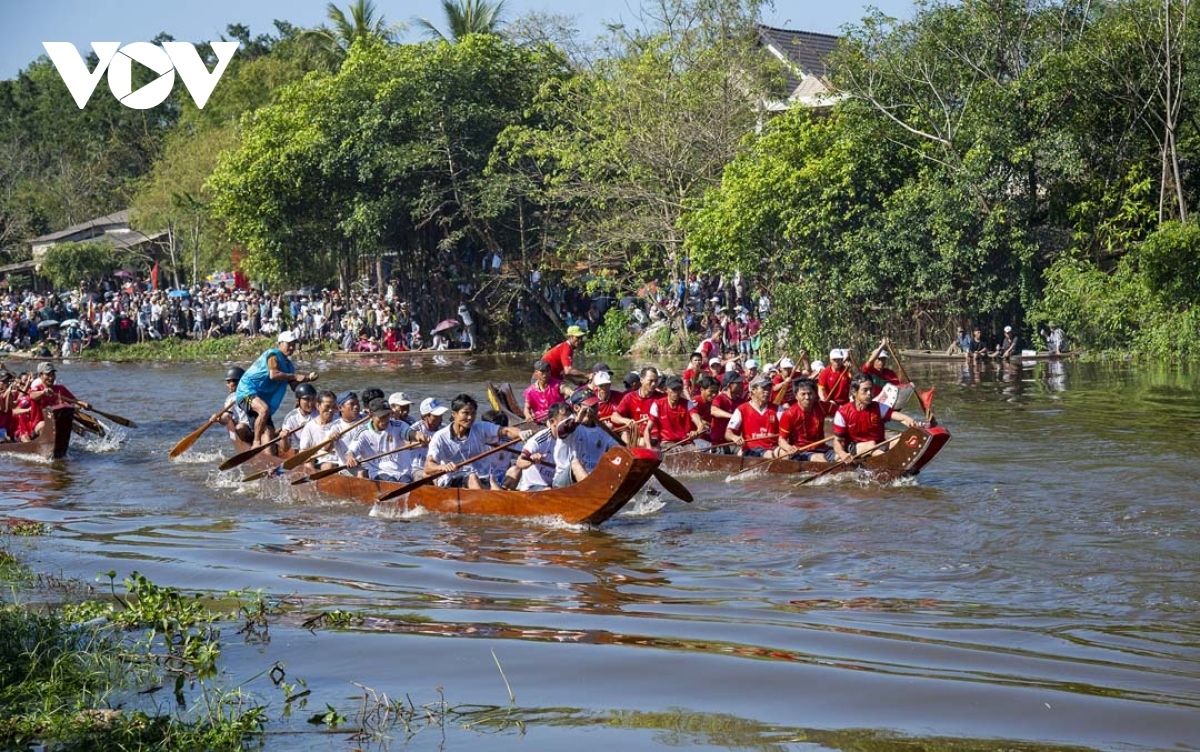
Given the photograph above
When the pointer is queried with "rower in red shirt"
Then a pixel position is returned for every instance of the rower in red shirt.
(876, 368)
(692, 374)
(702, 404)
(45, 393)
(783, 387)
(722, 409)
(754, 426)
(561, 358)
(804, 423)
(607, 397)
(833, 383)
(635, 405)
(859, 425)
(672, 421)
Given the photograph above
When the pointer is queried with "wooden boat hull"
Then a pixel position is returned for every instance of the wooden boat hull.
(54, 440)
(941, 355)
(617, 479)
(915, 449)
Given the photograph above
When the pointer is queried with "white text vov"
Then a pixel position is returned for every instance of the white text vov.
(118, 61)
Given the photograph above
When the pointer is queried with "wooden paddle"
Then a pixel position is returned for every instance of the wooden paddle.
(757, 465)
(927, 408)
(681, 442)
(114, 418)
(241, 457)
(186, 442)
(299, 458)
(434, 476)
(332, 470)
(851, 460)
(722, 446)
(668, 481)
(90, 424)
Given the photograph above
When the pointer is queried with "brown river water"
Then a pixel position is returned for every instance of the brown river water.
(1037, 587)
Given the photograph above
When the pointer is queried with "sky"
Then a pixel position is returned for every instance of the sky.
(25, 25)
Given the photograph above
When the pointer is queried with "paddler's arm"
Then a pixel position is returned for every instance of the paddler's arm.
(276, 374)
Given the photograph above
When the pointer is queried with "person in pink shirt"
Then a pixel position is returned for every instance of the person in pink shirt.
(542, 393)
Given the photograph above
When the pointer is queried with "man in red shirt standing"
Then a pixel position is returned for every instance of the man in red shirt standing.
(858, 426)
(833, 383)
(561, 358)
(754, 426)
(672, 421)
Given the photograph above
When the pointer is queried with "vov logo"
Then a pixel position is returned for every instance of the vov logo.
(118, 61)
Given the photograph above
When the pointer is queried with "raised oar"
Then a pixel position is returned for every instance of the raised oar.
(852, 460)
(114, 418)
(757, 465)
(332, 470)
(434, 476)
(299, 458)
(186, 442)
(668, 481)
(927, 408)
(241, 457)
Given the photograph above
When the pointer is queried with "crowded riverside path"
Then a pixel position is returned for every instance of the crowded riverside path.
(1037, 585)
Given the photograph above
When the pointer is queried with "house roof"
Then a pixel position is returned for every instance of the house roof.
(111, 220)
(804, 51)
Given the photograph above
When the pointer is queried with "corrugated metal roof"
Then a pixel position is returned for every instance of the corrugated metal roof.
(115, 219)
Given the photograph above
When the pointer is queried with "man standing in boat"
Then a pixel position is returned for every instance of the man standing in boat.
(859, 425)
(262, 388)
(876, 367)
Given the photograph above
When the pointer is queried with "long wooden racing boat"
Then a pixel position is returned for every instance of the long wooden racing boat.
(1019, 355)
(617, 479)
(54, 440)
(400, 355)
(915, 448)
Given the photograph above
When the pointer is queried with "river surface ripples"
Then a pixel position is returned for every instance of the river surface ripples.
(1037, 587)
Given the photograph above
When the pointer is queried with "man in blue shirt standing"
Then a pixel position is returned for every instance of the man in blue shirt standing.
(261, 389)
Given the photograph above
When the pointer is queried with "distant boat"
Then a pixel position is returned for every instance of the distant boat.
(1022, 355)
(434, 355)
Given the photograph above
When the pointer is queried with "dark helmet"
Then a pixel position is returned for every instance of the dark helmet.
(235, 374)
(306, 390)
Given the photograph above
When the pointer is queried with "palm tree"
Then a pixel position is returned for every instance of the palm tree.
(465, 17)
(362, 22)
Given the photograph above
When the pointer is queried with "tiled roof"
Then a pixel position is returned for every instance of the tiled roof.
(805, 50)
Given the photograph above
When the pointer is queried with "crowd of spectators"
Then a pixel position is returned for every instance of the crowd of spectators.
(127, 311)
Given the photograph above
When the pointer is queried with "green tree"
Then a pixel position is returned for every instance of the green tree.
(465, 17)
(363, 22)
(67, 263)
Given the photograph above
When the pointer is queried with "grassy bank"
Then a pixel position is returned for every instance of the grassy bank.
(183, 350)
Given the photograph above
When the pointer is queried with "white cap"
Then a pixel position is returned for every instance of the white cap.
(430, 406)
(816, 366)
(714, 361)
(787, 363)
(730, 366)
(751, 363)
(883, 353)
(399, 398)
(600, 378)
(287, 335)
(1007, 329)
(836, 354)
(771, 368)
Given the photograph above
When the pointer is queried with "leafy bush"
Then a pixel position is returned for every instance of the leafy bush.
(613, 336)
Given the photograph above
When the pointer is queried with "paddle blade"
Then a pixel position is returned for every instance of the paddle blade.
(116, 418)
(241, 457)
(673, 486)
(186, 442)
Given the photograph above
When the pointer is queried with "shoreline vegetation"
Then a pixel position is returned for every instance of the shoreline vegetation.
(138, 666)
(979, 164)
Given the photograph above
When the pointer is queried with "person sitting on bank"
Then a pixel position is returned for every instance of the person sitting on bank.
(859, 425)
(1056, 340)
(1010, 344)
(977, 348)
(961, 344)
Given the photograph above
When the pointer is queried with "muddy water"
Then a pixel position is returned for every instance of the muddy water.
(1036, 586)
